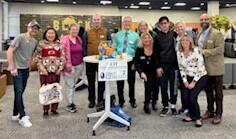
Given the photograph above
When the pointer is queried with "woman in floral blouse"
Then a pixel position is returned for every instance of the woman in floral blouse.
(193, 73)
(50, 59)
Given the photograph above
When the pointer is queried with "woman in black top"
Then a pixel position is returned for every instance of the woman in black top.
(145, 64)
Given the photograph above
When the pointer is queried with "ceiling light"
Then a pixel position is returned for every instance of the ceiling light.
(166, 3)
(149, 7)
(144, 3)
(42, 1)
(180, 4)
(133, 7)
(202, 4)
(230, 5)
(126, 7)
(195, 8)
(165, 7)
(74, 2)
(52, 0)
(104, 2)
(132, 4)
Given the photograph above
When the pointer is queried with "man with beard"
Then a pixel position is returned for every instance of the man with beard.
(211, 43)
(91, 41)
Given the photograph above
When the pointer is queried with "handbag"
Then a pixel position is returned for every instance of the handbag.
(50, 93)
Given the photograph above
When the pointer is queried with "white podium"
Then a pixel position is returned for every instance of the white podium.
(107, 112)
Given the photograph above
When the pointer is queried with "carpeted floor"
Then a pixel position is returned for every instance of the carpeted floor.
(74, 125)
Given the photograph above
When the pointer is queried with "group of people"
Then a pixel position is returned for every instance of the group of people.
(162, 57)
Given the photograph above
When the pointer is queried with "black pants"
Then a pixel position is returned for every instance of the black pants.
(151, 88)
(131, 82)
(19, 84)
(190, 96)
(182, 93)
(168, 76)
(91, 69)
(215, 83)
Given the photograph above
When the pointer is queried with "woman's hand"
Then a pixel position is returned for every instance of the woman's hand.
(43, 70)
(160, 72)
(143, 76)
(58, 72)
(192, 85)
(186, 84)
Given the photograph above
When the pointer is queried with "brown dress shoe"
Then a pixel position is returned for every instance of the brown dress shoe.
(207, 115)
(217, 120)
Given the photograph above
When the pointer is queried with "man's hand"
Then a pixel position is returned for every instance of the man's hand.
(143, 76)
(201, 50)
(133, 67)
(14, 72)
(160, 72)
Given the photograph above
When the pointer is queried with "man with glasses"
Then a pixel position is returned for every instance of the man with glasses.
(211, 43)
(19, 57)
(126, 41)
(164, 45)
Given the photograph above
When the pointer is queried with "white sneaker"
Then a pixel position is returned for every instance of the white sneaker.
(17, 117)
(25, 122)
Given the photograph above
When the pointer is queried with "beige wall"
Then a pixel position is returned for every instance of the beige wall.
(15, 9)
(1, 25)
(229, 12)
(151, 16)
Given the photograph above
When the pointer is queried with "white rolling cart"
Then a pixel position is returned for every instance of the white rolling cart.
(109, 70)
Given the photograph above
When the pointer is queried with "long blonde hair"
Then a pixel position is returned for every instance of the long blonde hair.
(142, 37)
(191, 48)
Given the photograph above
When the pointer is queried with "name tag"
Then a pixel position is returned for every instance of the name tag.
(209, 41)
(102, 36)
(131, 42)
(142, 57)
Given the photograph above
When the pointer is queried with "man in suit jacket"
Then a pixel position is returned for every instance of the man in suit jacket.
(211, 43)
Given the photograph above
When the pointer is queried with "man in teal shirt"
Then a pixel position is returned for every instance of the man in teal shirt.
(126, 41)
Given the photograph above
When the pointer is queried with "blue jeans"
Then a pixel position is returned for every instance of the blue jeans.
(19, 83)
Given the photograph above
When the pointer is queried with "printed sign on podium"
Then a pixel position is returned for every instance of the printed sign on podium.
(112, 70)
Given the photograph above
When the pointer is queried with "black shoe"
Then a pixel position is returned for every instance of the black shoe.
(45, 114)
(71, 108)
(164, 112)
(133, 105)
(91, 105)
(82, 87)
(154, 107)
(146, 109)
(55, 113)
(121, 105)
(73, 105)
(174, 111)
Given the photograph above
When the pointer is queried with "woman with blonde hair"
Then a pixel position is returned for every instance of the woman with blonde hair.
(145, 64)
(74, 66)
(193, 74)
